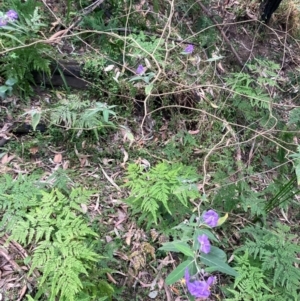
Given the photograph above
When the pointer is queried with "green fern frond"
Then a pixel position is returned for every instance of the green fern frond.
(158, 190)
(277, 253)
(251, 283)
(59, 231)
(75, 113)
(150, 205)
(16, 197)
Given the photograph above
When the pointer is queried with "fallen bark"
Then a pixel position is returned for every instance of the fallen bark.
(63, 73)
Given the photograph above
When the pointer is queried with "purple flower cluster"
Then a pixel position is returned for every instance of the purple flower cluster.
(199, 289)
(10, 16)
(204, 243)
(211, 218)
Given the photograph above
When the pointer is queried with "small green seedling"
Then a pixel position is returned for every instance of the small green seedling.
(6, 89)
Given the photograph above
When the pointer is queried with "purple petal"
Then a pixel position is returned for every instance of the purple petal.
(12, 15)
(199, 289)
(204, 243)
(211, 280)
(140, 70)
(3, 22)
(211, 218)
(189, 49)
(187, 275)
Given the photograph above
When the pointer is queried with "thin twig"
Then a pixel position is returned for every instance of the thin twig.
(222, 33)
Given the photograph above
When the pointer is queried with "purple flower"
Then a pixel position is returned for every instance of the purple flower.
(3, 22)
(188, 49)
(198, 289)
(12, 15)
(140, 70)
(211, 280)
(211, 218)
(204, 243)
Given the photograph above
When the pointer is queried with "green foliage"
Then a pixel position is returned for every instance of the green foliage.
(27, 56)
(294, 117)
(59, 231)
(107, 86)
(187, 244)
(276, 251)
(63, 241)
(142, 45)
(77, 114)
(61, 180)
(161, 190)
(251, 283)
(16, 197)
(284, 193)
(251, 88)
(180, 147)
(6, 89)
(240, 195)
(296, 158)
(97, 21)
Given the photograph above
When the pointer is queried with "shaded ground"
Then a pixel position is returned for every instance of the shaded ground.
(101, 166)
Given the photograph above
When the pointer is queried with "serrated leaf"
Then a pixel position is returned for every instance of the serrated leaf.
(218, 265)
(178, 273)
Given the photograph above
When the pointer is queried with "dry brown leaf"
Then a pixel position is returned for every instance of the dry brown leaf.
(56, 38)
(107, 161)
(33, 150)
(148, 249)
(108, 238)
(110, 278)
(220, 67)
(125, 159)
(84, 208)
(193, 132)
(161, 283)
(84, 162)
(121, 255)
(66, 164)
(110, 179)
(22, 292)
(8, 271)
(54, 24)
(57, 158)
(137, 260)
(6, 158)
(128, 236)
(60, 95)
